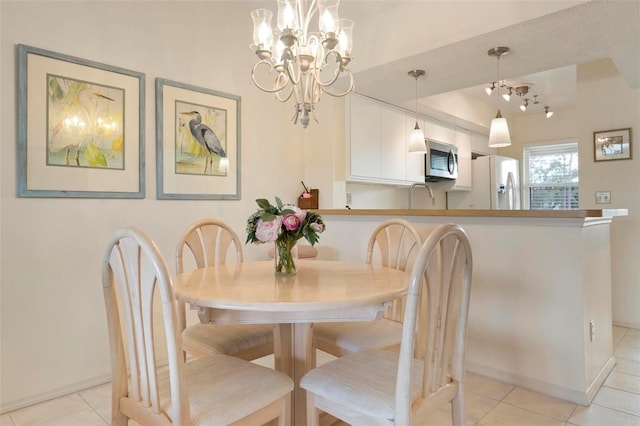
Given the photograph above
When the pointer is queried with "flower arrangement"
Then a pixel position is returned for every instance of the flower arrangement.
(283, 224)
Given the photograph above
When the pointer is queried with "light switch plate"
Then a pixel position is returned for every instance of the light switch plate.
(603, 197)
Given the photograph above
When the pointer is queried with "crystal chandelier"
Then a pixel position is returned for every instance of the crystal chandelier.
(305, 63)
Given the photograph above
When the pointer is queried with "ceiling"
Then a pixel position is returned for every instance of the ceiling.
(450, 40)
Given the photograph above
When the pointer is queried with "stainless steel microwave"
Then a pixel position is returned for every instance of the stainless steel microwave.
(440, 161)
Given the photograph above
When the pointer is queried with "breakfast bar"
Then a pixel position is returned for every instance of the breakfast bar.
(540, 313)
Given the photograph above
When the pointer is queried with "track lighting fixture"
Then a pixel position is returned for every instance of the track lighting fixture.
(489, 90)
(522, 91)
(507, 96)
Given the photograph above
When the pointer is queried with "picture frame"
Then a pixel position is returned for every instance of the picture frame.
(611, 145)
(80, 130)
(197, 142)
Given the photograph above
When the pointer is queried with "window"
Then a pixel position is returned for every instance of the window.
(551, 176)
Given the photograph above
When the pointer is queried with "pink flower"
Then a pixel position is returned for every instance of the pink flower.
(268, 231)
(300, 214)
(291, 222)
(316, 227)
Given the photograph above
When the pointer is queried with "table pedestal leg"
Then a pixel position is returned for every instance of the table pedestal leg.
(293, 350)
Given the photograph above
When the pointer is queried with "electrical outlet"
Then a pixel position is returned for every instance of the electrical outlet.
(348, 198)
(592, 330)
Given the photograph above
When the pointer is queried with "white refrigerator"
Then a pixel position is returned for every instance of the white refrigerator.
(495, 185)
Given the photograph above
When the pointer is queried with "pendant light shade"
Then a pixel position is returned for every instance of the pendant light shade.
(417, 144)
(416, 141)
(499, 133)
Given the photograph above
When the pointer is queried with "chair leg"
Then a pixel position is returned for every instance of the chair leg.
(119, 419)
(458, 412)
(313, 414)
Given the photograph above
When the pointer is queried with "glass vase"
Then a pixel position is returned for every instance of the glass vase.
(285, 255)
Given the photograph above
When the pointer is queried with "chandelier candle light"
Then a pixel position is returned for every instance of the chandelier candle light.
(300, 58)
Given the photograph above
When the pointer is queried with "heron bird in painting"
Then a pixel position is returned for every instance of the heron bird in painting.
(207, 139)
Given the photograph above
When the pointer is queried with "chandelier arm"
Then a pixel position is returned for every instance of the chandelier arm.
(317, 92)
(279, 92)
(347, 91)
(313, 8)
(276, 86)
(339, 70)
(289, 69)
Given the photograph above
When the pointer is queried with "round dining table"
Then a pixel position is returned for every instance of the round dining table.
(320, 291)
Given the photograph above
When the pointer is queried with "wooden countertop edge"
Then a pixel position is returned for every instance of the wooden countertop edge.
(546, 214)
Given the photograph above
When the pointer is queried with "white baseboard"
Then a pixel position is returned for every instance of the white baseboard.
(572, 395)
(595, 386)
(627, 324)
(7, 406)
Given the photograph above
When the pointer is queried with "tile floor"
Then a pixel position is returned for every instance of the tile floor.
(489, 402)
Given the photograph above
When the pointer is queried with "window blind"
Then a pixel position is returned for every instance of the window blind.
(551, 176)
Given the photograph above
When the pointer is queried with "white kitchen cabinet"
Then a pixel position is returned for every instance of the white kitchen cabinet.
(377, 136)
(480, 144)
(393, 144)
(363, 134)
(463, 142)
(439, 132)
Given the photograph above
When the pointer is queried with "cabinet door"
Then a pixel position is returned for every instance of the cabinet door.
(463, 142)
(364, 137)
(480, 144)
(393, 144)
(439, 132)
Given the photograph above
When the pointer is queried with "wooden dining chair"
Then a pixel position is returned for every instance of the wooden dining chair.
(377, 387)
(394, 243)
(217, 390)
(211, 242)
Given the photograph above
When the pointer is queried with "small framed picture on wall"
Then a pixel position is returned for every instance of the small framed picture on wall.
(612, 145)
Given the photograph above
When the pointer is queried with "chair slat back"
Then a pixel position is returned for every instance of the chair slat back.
(435, 321)
(133, 271)
(397, 243)
(209, 241)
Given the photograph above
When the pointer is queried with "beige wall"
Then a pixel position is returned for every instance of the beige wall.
(53, 324)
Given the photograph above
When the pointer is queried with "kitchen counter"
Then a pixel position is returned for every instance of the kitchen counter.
(540, 313)
(542, 214)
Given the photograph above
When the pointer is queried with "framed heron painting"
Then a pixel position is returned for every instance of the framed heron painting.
(80, 127)
(197, 142)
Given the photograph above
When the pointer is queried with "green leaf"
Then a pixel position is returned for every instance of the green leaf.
(310, 235)
(94, 156)
(267, 216)
(279, 202)
(263, 204)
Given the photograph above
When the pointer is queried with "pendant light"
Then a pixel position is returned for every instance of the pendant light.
(499, 133)
(416, 138)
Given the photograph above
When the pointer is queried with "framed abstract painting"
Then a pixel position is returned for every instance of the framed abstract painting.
(197, 142)
(80, 127)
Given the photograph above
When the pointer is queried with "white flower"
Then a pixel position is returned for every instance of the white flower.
(316, 227)
(268, 231)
